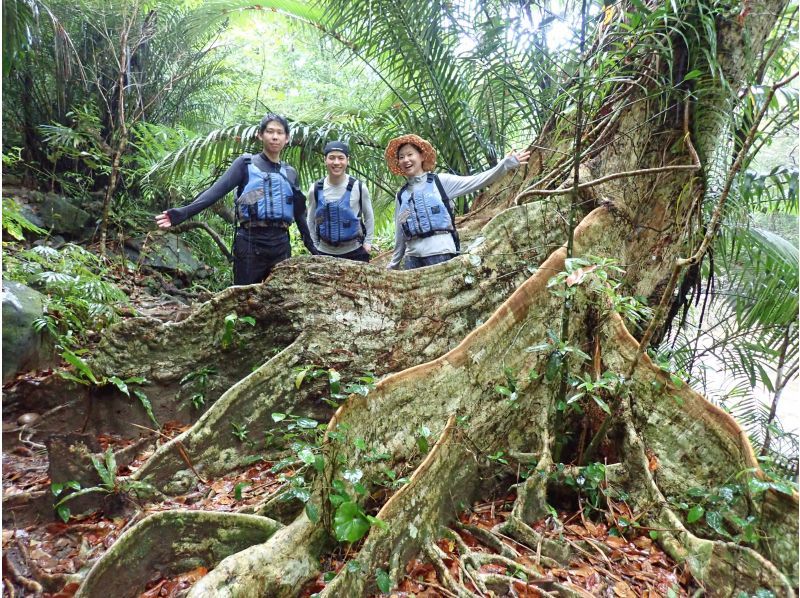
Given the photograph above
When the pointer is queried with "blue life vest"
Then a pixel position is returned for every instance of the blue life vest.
(336, 221)
(267, 198)
(424, 214)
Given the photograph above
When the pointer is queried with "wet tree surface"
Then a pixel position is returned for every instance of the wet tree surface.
(466, 408)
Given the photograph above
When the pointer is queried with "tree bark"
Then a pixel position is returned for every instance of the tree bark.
(444, 338)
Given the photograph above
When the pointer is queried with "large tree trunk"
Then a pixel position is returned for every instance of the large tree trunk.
(443, 338)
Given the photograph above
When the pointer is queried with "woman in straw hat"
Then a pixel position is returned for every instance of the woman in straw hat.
(425, 232)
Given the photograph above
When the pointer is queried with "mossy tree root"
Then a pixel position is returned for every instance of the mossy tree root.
(276, 568)
(454, 397)
(364, 333)
(172, 542)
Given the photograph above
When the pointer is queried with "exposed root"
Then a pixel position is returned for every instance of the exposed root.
(383, 336)
(483, 558)
(275, 568)
(698, 434)
(437, 558)
(549, 553)
(49, 582)
(490, 539)
(172, 542)
(17, 577)
(411, 517)
(207, 443)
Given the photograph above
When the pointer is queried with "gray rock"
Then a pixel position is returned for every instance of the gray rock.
(61, 217)
(23, 348)
(53, 212)
(164, 252)
(29, 213)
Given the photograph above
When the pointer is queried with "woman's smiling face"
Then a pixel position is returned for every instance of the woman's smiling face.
(409, 158)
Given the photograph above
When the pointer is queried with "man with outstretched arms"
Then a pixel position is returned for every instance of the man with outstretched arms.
(340, 215)
(267, 202)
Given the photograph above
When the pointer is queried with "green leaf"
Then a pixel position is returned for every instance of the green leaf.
(298, 380)
(148, 406)
(56, 488)
(63, 512)
(422, 444)
(79, 365)
(111, 464)
(105, 475)
(84, 492)
(602, 404)
(503, 390)
(307, 423)
(350, 523)
(120, 384)
(334, 379)
(307, 456)
(329, 576)
(695, 513)
(353, 566)
(653, 534)
(553, 366)
(714, 521)
(278, 417)
(692, 75)
(676, 380)
(383, 581)
(72, 378)
(312, 511)
(574, 398)
(539, 347)
(248, 320)
(353, 475)
(237, 489)
(377, 522)
(337, 499)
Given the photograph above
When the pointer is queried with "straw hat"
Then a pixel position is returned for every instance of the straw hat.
(428, 153)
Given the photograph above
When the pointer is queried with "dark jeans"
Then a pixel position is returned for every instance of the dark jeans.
(256, 251)
(419, 262)
(357, 255)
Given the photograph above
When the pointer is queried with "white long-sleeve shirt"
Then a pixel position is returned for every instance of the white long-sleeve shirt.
(454, 186)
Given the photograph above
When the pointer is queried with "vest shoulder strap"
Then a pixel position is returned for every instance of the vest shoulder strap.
(435, 179)
(446, 201)
(403, 189)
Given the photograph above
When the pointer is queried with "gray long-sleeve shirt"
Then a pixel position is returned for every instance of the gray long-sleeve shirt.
(360, 204)
(454, 186)
(236, 178)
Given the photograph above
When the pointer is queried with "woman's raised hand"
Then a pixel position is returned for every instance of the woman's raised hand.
(522, 156)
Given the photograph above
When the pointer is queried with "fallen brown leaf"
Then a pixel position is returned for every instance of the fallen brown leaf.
(623, 590)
